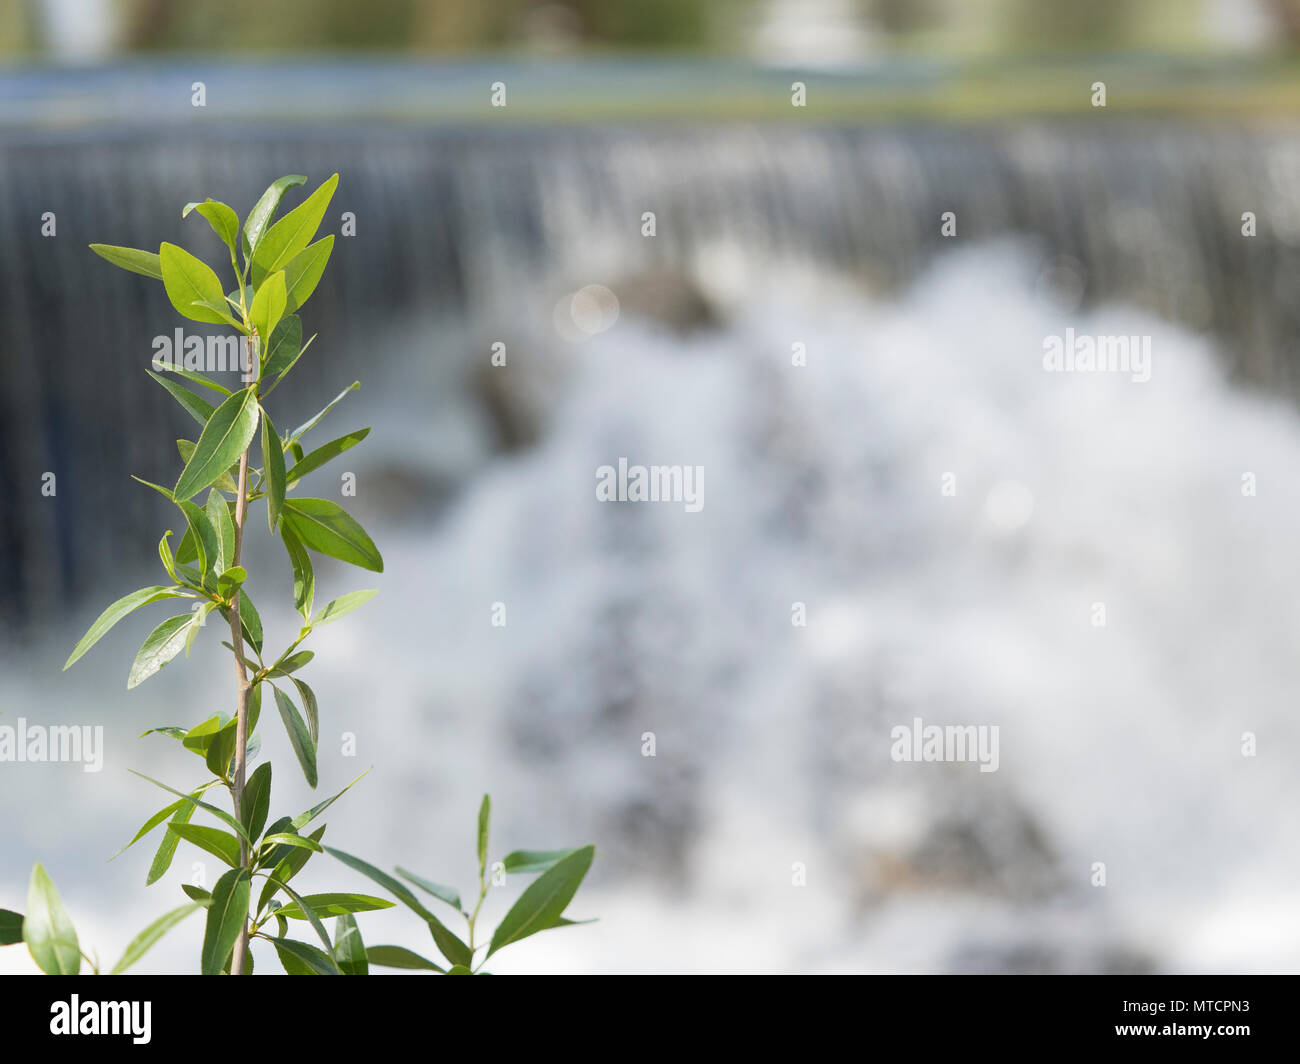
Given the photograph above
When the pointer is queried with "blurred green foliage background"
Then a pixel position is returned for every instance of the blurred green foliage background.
(847, 29)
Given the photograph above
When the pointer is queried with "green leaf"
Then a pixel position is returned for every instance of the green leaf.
(220, 814)
(231, 579)
(223, 440)
(526, 862)
(310, 708)
(133, 259)
(199, 409)
(254, 712)
(268, 305)
(119, 609)
(226, 917)
(199, 530)
(299, 735)
(218, 515)
(280, 852)
(196, 626)
(225, 482)
(304, 577)
(292, 447)
(284, 838)
(323, 454)
(191, 281)
(349, 949)
(223, 219)
(484, 823)
(306, 912)
(452, 947)
(292, 663)
(291, 964)
(459, 969)
(164, 492)
(310, 960)
(11, 927)
(342, 606)
(334, 905)
(286, 860)
(47, 929)
(303, 819)
(284, 346)
(221, 749)
(399, 957)
(256, 801)
(165, 555)
(203, 897)
(325, 527)
(220, 844)
(303, 272)
(311, 423)
(143, 942)
(563, 922)
(200, 737)
(200, 543)
(448, 894)
(162, 858)
(190, 375)
(273, 463)
(283, 240)
(264, 210)
(165, 729)
(163, 813)
(250, 621)
(543, 903)
(166, 811)
(159, 647)
(220, 310)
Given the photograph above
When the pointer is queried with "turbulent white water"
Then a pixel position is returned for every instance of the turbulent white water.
(1119, 744)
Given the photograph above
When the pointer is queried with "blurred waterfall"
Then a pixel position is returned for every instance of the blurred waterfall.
(468, 224)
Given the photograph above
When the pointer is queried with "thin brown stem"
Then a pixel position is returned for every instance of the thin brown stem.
(241, 701)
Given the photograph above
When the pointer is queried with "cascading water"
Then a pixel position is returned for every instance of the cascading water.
(924, 358)
(462, 221)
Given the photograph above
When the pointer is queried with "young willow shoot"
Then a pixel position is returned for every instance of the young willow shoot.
(282, 263)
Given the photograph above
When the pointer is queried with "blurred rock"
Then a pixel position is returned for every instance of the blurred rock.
(667, 298)
(1045, 953)
(407, 493)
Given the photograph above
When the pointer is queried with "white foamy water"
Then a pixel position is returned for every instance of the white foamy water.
(1119, 744)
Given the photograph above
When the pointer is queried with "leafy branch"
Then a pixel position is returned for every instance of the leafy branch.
(276, 266)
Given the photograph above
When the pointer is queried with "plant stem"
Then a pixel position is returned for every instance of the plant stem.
(241, 701)
(473, 918)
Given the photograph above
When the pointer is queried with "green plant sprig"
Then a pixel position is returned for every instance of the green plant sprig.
(277, 265)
